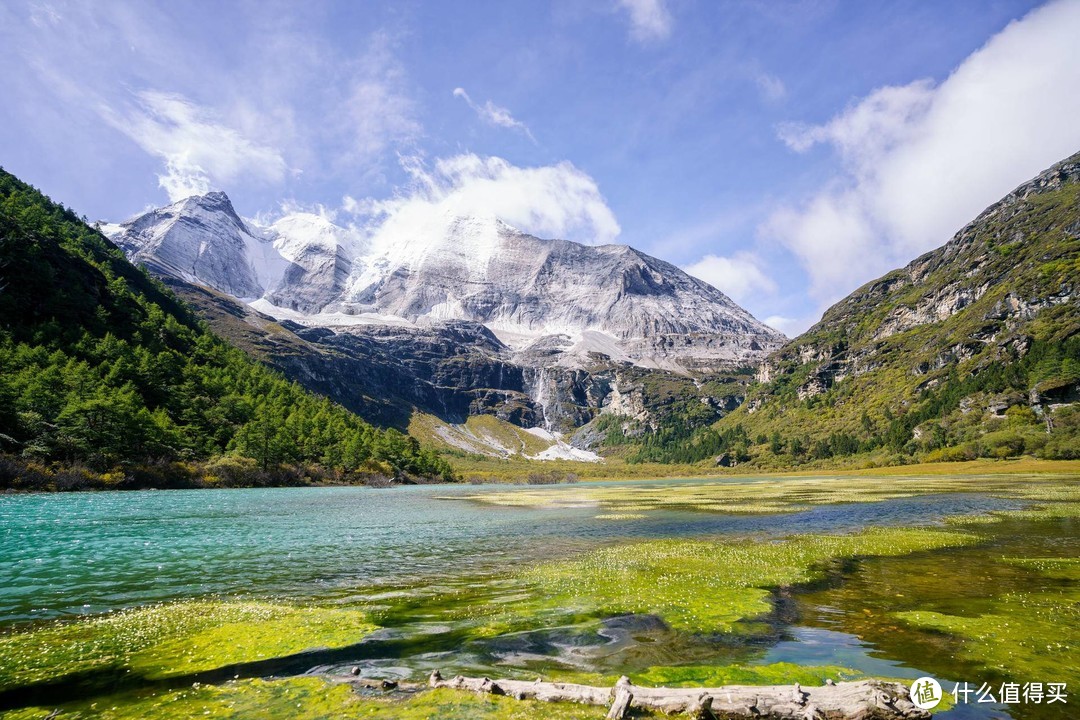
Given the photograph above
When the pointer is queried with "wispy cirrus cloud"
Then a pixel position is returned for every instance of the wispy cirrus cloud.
(286, 105)
(770, 86)
(198, 150)
(495, 115)
(44, 15)
(917, 161)
(378, 111)
(650, 20)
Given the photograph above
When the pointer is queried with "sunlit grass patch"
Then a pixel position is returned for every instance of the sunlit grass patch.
(1051, 492)
(745, 508)
(175, 638)
(972, 519)
(1046, 511)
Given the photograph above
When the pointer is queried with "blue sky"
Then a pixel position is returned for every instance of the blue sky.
(784, 151)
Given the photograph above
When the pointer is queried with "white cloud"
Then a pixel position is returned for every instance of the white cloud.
(44, 15)
(866, 130)
(739, 276)
(495, 115)
(789, 326)
(650, 20)
(919, 161)
(834, 239)
(199, 152)
(557, 201)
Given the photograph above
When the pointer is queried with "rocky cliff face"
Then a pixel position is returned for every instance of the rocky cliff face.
(469, 317)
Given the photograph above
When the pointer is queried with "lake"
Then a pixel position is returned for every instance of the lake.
(63, 555)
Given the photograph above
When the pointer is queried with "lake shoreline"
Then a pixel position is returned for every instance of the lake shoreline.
(19, 476)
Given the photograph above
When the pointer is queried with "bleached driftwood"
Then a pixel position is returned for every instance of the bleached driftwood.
(860, 700)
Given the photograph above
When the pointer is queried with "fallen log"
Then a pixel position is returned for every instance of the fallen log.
(858, 700)
(623, 697)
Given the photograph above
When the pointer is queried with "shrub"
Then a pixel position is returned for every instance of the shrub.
(1061, 448)
(1002, 444)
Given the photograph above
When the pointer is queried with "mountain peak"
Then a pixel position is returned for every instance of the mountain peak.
(212, 202)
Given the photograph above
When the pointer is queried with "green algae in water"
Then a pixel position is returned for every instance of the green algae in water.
(174, 639)
(702, 587)
(1027, 637)
(697, 588)
(1052, 567)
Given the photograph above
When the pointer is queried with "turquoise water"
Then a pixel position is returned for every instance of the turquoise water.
(79, 553)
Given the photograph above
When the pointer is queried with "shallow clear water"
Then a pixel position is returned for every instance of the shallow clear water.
(74, 553)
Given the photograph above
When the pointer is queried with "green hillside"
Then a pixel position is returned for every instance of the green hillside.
(972, 350)
(102, 368)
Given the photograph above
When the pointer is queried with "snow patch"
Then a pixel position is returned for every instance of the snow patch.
(109, 230)
(542, 434)
(560, 449)
(326, 319)
(563, 450)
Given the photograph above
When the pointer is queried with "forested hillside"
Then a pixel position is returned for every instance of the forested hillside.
(101, 366)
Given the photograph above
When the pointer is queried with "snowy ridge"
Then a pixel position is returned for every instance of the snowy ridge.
(549, 301)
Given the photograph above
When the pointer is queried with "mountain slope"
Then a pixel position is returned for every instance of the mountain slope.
(457, 317)
(99, 364)
(972, 349)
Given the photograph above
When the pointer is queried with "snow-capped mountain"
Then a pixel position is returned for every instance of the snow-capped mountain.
(549, 301)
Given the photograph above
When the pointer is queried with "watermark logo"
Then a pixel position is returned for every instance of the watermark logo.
(1012, 693)
(926, 693)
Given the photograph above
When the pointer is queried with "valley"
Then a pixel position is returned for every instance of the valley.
(356, 455)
